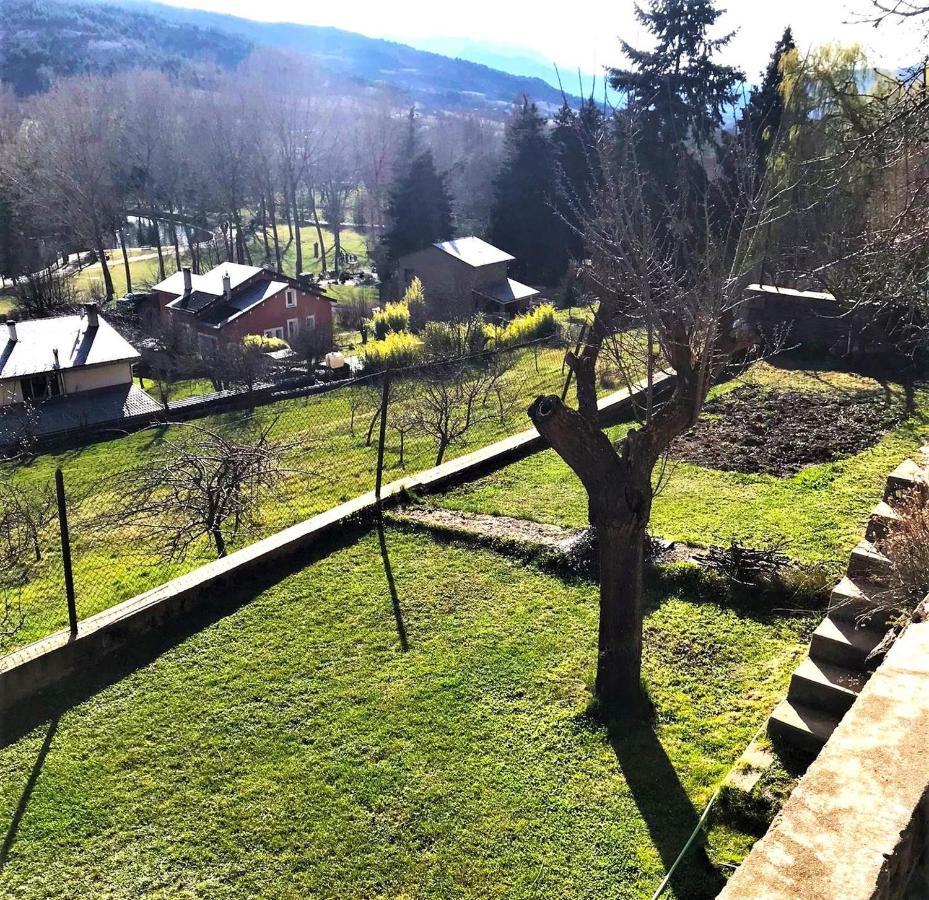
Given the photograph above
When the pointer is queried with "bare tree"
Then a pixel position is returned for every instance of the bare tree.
(203, 484)
(662, 260)
(454, 398)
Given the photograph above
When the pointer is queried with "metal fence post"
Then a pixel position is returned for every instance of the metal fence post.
(66, 549)
(385, 397)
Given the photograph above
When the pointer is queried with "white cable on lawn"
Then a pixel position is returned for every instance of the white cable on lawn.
(706, 811)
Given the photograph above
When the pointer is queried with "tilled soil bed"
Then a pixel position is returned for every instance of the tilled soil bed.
(755, 430)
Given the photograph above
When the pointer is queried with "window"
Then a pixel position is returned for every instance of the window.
(41, 387)
(292, 328)
(274, 333)
(290, 299)
(311, 323)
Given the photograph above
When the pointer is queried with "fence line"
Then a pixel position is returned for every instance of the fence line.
(138, 511)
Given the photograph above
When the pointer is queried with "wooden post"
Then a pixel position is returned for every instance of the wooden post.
(66, 549)
(577, 350)
(385, 396)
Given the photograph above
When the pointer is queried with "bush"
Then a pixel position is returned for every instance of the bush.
(395, 351)
(533, 326)
(442, 340)
(415, 300)
(264, 344)
(394, 318)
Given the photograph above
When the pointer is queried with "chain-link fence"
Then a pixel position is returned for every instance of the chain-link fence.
(146, 507)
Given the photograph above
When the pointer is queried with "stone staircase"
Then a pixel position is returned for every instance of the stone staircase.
(826, 683)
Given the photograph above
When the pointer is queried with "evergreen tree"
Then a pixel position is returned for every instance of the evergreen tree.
(761, 119)
(523, 220)
(419, 209)
(575, 138)
(675, 93)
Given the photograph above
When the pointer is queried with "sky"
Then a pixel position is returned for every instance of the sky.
(584, 33)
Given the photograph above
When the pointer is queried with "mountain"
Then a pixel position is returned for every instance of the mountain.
(47, 38)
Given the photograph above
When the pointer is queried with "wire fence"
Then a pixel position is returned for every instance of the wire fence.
(134, 512)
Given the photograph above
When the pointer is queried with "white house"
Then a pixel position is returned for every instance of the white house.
(62, 356)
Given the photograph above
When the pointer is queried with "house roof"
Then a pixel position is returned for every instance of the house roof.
(210, 283)
(33, 351)
(241, 302)
(473, 251)
(508, 291)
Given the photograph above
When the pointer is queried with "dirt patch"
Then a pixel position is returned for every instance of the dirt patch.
(755, 430)
(490, 527)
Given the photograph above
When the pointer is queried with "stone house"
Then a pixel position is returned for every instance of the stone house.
(232, 300)
(463, 276)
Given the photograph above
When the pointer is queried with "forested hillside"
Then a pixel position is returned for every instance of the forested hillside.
(43, 40)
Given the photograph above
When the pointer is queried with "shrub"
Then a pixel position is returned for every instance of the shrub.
(415, 300)
(442, 340)
(264, 344)
(394, 318)
(533, 326)
(395, 351)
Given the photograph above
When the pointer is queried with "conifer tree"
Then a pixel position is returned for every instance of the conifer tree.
(523, 220)
(419, 209)
(575, 138)
(761, 119)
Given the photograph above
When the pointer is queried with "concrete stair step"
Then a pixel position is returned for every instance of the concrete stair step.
(824, 686)
(867, 561)
(882, 517)
(801, 727)
(906, 477)
(843, 644)
(858, 600)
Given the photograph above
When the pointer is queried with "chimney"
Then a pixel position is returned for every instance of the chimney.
(90, 309)
(11, 329)
(188, 282)
(55, 355)
(227, 286)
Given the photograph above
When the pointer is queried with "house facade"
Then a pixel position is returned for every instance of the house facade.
(464, 276)
(231, 301)
(61, 357)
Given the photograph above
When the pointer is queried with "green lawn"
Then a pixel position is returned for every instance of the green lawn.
(292, 750)
(820, 512)
(180, 390)
(352, 242)
(144, 273)
(330, 465)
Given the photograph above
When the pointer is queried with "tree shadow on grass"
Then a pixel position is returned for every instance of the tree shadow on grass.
(664, 805)
(392, 587)
(13, 828)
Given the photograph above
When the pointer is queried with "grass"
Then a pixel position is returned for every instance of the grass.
(7, 305)
(180, 390)
(144, 273)
(291, 750)
(818, 513)
(330, 465)
(351, 241)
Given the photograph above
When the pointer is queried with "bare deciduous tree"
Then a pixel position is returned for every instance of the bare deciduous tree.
(203, 484)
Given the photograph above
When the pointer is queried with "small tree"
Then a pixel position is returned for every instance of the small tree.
(455, 398)
(236, 365)
(202, 484)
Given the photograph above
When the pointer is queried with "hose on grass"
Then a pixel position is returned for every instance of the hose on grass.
(700, 822)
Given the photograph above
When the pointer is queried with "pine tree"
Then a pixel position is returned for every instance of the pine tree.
(523, 220)
(675, 93)
(761, 119)
(419, 209)
(575, 137)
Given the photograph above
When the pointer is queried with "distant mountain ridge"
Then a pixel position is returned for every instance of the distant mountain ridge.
(48, 38)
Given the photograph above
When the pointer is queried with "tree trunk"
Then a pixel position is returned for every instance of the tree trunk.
(122, 244)
(161, 258)
(177, 247)
(619, 651)
(299, 263)
(264, 230)
(219, 541)
(277, 243)
(319, 235)
(107, 278)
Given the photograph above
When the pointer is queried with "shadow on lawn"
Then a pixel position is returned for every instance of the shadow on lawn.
(13, 828)
(392, 587)
(665, 807)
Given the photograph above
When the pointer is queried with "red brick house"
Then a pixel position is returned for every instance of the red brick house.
(232, 300)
